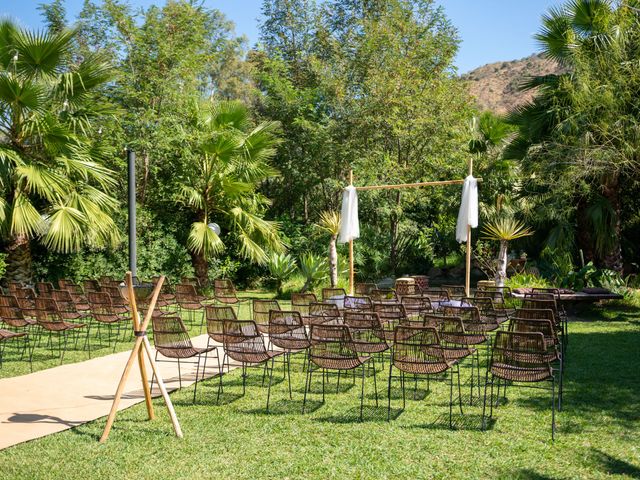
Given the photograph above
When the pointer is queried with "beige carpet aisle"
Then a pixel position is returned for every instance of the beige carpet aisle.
(56, 399)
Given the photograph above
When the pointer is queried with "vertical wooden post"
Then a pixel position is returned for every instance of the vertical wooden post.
(467, 279)
(351, 272)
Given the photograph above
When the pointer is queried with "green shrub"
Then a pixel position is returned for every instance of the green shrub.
(314, 270)
(281, 266)
(526, 280)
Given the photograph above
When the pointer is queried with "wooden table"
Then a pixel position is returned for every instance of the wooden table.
(581, 297)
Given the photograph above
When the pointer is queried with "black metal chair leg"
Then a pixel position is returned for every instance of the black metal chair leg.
(270, 381)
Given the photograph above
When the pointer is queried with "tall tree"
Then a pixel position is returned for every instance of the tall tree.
(54, 186)
(220, 186)
(578, 138)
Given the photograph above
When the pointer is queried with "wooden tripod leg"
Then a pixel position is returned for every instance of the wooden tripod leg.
(123, 381)
(165, 394)
(145, 385)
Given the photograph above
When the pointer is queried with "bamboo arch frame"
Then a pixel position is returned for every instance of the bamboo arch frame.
(467, 280)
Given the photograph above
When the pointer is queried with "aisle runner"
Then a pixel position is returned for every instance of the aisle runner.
(56, 399)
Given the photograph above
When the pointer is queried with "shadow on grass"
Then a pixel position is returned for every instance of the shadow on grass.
(287, 407)
(469, 422)
(370, 413)
(528, 474)
(615, 466)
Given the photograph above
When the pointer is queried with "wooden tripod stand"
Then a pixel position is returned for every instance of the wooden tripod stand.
(142, 345)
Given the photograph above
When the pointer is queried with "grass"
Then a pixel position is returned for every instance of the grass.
(597, 436)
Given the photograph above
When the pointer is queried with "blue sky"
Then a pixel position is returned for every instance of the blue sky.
(491, 30)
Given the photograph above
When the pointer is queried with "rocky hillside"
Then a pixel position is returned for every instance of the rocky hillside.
(495, 85)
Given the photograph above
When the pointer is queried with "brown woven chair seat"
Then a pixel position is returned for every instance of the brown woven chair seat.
(60, 326)
(339, 362)
(521, 374)
(8, 334)
(252, 357)
(183, 352)
(453, 354)
(411, 364)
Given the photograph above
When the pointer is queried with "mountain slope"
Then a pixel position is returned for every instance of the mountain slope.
(495, 85)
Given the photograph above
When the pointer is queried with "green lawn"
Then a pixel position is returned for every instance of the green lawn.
(598, 431)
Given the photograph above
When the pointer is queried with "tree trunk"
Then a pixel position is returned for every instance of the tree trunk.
(613, 258)
(19, 260)
(393, 254)
(201, 267)
(333, 262)
(501, 271)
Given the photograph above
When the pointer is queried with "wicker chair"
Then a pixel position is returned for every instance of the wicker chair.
(357, 303)
(190, 301)
(473, 321)
(44, 289)
(405, 288)
(436, 295)
(78, 297)
(261, 309)
(117, 300)
(172, 341)
(367, 333)
(323, 313)
(7, 336)
(391, 315)
(301, 301)
(519, 358)
(91, 286)
(333, 294)
(67, 307)
(12, 315)
(456, 292)
(49, 318)
(216, 316)
(333, 348)
(225, 293)
(27, 300)
(364, 288)
(244, 343)
(488, 309)
(416, 305)
(417, 350)
(551, 340)
(104, 313)
(287, 332)
(384, 295)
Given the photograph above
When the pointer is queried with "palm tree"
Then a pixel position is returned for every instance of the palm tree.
(504, 229)
(232, 162)
(581, 127)
(52, 181)
(330, 223)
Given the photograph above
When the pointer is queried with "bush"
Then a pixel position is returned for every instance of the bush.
(314, 270)
(526, 280)
(281, 266)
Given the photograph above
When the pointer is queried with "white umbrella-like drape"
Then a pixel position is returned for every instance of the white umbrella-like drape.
(349, 223)
(468, 213)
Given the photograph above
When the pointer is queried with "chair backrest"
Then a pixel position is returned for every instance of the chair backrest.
(545, 327)
(417, 346)
(186, 291)
(332, 347)
(46, 310)
(357, 303)
(326, 311)
(243, 341)
(62, 282)
(541, 304)
(170, 335)
(286, 330)
(552, 291)
(390, 312)
(522, 350)
(13, 316)
(484, 304)
(13, 286)
(261, 309)
(25, 292)
(365, 327)
(301, 302)
(416, 303)
(225, 291)
(536, 314)
(216, 316)
(455, 291)
(436, 294)
(451, 330)
(191, 281)
(9, 301)
(471, 313)
(44, 288)
(383, 295)
(91, 285)
(364, 288)
(65, 302)
(539, 296)
(333, 294)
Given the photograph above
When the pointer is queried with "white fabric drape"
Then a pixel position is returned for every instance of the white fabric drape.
(468, 214)
(349, 225)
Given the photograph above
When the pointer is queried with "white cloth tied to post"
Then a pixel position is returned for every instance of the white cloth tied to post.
(468, 214)
(349, 223)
